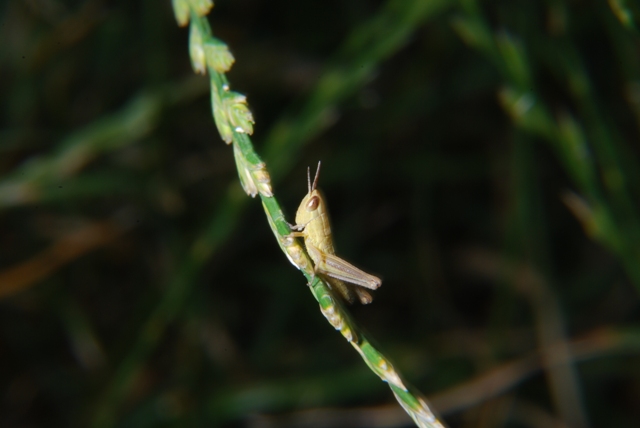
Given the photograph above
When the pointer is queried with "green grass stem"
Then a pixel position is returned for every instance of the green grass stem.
(399, 19)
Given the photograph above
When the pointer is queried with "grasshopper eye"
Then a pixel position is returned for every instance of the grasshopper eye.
(313, 203)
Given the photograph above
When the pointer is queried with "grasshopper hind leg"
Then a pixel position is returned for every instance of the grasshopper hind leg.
(344, 290)
(349, 292)
(341, 288)
(363, 295)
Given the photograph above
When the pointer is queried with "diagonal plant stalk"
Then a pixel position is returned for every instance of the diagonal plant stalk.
(235, 123)
(364, 49)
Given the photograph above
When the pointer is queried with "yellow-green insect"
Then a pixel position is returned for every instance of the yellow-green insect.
(312, 222)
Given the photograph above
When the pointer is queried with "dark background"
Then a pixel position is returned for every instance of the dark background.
(485, 167)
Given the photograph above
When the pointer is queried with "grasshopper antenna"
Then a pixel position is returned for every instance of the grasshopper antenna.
(309, 180)
(315, 180)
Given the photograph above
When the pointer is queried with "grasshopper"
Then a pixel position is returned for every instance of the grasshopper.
(312, 224)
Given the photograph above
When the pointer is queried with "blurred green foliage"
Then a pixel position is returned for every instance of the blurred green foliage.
(481, 157)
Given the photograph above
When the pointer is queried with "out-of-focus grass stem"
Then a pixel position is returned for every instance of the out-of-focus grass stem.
(586, 146)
